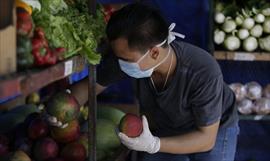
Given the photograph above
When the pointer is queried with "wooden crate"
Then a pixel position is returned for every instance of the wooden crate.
(8, 48)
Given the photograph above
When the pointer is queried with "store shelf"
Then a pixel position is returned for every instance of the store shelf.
(254, 117)
(242, 56)
(31, 81)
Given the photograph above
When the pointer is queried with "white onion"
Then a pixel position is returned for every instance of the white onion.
(262, 106)
(248, 23)
(250, 44)
(229, 25)
(243, 34)
(256, 31)
(245, 106)
(254, 90)
(219, 37)
(239, 91)
(239, 20)
(266, 91)
(266, 25)
(219, 18)
(259, 18)
(266, 12)
(265, 43)
(232, 43)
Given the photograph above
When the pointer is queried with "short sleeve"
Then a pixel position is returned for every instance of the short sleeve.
(108, 71)
(207, 101)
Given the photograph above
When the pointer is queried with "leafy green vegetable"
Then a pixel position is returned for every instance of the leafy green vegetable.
(73, 28)
(53, 6)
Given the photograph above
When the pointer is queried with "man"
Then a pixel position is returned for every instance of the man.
(179, 86)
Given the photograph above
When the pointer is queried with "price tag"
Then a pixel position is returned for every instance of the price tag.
(68, 67)
(258, 117)
(244, 56)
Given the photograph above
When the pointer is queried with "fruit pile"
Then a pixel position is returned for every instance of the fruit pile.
(56, 131)
(28, 134)
(252, 98)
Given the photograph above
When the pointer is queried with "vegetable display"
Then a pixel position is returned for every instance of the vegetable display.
(70, 25)
(242, 26)
(50, 31)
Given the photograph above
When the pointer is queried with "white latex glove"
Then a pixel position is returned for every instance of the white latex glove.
(145, 142)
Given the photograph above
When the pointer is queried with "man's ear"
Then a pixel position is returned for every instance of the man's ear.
(154, 53)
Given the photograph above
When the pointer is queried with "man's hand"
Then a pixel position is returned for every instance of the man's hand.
(145, 142)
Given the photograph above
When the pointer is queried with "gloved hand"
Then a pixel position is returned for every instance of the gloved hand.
(145, 142)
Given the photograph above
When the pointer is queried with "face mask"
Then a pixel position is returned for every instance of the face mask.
(134, 70)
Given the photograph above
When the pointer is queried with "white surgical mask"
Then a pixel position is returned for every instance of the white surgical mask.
(134, 70)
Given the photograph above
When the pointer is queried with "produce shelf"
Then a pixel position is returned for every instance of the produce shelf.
(242, 56)
(254, 117)
(30, 81)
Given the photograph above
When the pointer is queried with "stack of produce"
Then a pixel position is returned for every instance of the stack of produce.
(56, 131)
(52, 134)
(246, 28)
(32, 46)
(68, 24)
(252, 98)
(50, 31)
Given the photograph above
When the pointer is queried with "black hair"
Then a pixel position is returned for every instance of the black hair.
(141, 25)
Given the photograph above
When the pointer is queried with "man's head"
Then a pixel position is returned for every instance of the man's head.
(136, 29)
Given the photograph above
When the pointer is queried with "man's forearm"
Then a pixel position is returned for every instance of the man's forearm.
(193, 142)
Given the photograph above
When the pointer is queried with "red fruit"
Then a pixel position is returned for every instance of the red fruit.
(45, 149)
(59, 53)
(74, 151)
(83, 139)
(38, 128)
(39, 33)
(68, 134)
(24, 23)
(63, 106)
(131, 125)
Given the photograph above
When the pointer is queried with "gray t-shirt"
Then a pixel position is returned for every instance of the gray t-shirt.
(196, 96)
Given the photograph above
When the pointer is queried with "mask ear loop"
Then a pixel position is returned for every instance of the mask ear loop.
(158, 45)
(171, 37)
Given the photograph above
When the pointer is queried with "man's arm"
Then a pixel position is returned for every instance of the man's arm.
(80, 90)
(201, 140)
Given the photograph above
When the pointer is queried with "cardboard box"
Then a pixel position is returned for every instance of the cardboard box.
(8, 48)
